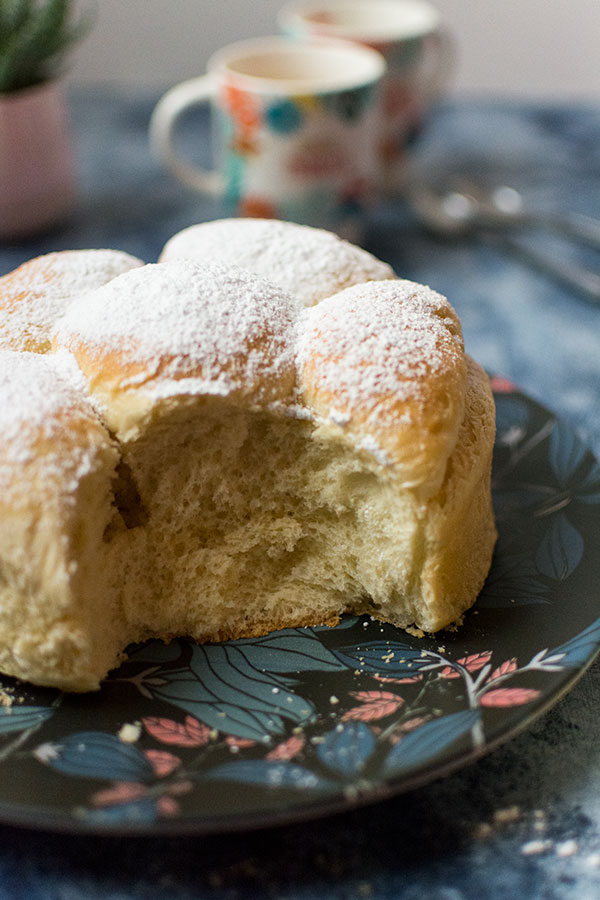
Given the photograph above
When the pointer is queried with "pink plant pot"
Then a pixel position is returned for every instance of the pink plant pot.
(37, 184)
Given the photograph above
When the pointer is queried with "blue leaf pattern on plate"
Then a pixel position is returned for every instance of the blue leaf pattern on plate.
(244, 716)
(566, 452)
(421, 746)
(137, 812)
(513, 581)
(575, 652)
(393, 658)
(347, 748)
(242, 687)
(292, 650)
(226, 690)
(561, 549)
(95, 754)
(588, 489)
(269, 774)
(19, 718)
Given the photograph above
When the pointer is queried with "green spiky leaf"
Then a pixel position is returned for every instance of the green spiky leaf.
(35, 36)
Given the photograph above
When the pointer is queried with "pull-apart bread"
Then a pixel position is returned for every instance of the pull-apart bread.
(200, 453)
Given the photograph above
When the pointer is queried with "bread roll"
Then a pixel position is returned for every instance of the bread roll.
(34, 296)
(57, 463)
(221, 461)
(309, 263)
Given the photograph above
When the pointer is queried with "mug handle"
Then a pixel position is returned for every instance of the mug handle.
(163, 123)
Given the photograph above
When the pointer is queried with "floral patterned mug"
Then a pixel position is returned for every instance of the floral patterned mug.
(418, 52)
(295, 127)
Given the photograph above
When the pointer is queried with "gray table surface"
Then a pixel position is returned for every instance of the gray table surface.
(523, 822)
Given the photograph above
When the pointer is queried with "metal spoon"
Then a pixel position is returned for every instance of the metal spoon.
(461, 210)
(505, 206)
(456, 214)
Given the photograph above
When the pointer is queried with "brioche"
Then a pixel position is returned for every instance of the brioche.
(309, 263)
(201, 454)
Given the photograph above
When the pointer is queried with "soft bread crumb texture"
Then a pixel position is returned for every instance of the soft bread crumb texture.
(202, 455)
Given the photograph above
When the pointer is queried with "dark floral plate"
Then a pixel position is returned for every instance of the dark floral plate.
(308, 721)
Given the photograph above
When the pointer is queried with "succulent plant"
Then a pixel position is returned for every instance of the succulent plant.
(35, 36)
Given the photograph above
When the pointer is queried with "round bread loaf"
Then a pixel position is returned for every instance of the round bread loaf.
(224, 461)
(309, 263)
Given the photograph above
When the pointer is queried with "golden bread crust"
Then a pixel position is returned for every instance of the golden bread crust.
(179, 328)
(460, 533)
(386, 361)
(56, 468)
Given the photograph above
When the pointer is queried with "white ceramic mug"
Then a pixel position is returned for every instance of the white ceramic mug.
(417, 50)
(295, 128)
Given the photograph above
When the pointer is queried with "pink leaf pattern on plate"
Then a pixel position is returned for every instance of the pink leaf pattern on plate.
(119, 792)
(407, 726)
(509, 696)
(507, 667)
(384, 679)
(472, 663)
(287, 749)
(376, 705)
(191, 733)
(162, 761)
(411, 724)
(167, 806)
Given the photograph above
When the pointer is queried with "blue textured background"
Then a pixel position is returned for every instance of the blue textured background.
(523, 822)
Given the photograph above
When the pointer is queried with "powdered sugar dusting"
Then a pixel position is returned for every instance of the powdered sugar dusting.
(309, 263)
(218, 327)
(35, 399)
(34, 296)
(371, 446)
(378, 341)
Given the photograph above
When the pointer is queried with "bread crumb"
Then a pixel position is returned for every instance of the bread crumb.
(483, 831)
(5, 699)
(130, 732)
(415, 632)
(531, 848)
(566, 848)
(505, 816)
